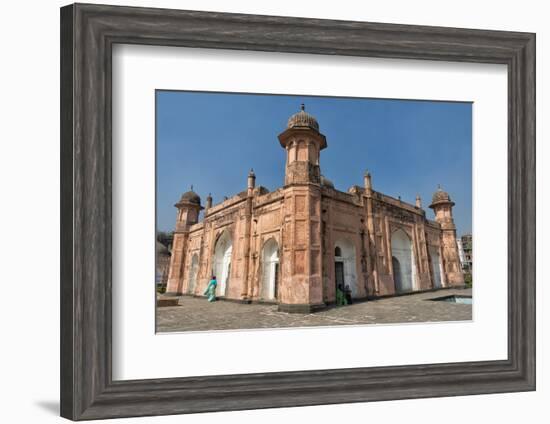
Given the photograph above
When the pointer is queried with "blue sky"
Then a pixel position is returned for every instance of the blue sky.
(211, 140)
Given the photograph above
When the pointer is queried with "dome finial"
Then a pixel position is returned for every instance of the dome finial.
(191, 187)
(303, 106)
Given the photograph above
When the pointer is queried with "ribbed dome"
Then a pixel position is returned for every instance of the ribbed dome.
(440, 196)
(303, 119)
(190, 197)
(325, 182)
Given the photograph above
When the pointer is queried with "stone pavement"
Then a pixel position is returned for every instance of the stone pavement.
(196, 314)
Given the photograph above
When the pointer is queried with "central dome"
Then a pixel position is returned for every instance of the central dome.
(303, 119)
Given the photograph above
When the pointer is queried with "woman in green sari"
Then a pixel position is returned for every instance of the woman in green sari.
(340, 296)
(211, 289)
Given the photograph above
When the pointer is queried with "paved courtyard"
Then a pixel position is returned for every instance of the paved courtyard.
(196, 314)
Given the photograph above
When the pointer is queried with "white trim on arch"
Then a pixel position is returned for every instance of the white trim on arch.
(403, 261)
(437, 267)
(221, 262)
(270, 262)
(346, 248)
(193, 273)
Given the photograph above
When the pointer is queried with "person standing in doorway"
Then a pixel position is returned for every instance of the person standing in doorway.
(211, 289)
(347, 292)
(340, 296)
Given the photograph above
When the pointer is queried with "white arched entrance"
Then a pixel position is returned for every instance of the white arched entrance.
(402, 261)
(221, 264)
(193, 270)
(270, 270)
(437, 267)
(345, 269)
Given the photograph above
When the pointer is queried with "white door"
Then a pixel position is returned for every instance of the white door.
(344, 253)
(222, 263)
(436, 267)
(403, 261)
(270, 261)
(193, 274)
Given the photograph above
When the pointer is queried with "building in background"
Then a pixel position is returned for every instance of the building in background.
(163, 257)
(466, 242)
(296, 245)
(460, 252)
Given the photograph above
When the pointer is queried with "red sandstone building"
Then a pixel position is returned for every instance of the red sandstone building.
(295, 245)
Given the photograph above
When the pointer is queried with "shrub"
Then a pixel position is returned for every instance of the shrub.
(468, 280)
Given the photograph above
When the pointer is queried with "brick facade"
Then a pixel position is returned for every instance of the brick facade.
(294, 245)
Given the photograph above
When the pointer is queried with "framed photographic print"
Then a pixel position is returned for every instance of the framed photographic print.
(266, 211)
(307, 246)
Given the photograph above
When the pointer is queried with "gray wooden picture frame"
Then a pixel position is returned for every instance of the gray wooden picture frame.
(88, 33)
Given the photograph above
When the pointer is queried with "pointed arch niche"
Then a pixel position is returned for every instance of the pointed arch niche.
(437, 267)
(402, 261)
(345, 267)
(270, 270)
(221, 262)
(193, 270)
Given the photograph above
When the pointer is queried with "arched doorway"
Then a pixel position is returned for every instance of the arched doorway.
(270, 270)
(221, 264)
(402, 261)
(396, 272)
(345, 268)
(193, 270)
(436, 267)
